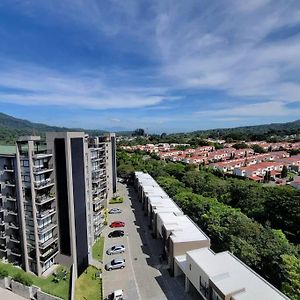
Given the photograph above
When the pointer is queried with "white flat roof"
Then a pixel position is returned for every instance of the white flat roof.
(182, 227)
(231, 275)
(160, 204)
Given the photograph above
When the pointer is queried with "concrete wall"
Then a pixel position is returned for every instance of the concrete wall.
(20, 289)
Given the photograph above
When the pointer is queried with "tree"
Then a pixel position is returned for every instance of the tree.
(139, 132)
(291, 271)
(284, 172)
(240, 145)
(258, 149)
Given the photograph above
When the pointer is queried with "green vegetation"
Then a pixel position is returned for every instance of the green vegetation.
(11, 128)
(98, 248)
(48, 285)
(3, 272)
(23, 278)
(89, 285)
(259, 224)
(116, 200)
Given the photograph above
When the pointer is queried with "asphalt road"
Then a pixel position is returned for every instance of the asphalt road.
(144, 277)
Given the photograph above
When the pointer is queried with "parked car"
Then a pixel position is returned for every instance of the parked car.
(117, 224)
(116, 233)
(117, 295)
(116, 249)
(118, 263)
(115, 211)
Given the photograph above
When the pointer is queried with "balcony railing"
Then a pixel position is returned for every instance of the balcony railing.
(47, 243)
(44, 199)
(45, 213)
(42, 169)
(47, 228)
(8, 168)
(15, 251)
(14, 239)
(10, 183)
(12, 211)
(49, 253)
(43, 184)
(13, 225)
(42, 154)
(10, 197)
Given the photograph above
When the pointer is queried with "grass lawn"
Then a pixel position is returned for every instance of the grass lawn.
(60, 289)
(116, 200)
(98, 249)
(88, 287)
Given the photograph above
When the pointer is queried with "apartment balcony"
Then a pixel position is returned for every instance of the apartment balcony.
(48, 254)
(16, 252)
(10, 183)
(3, 236)
(98, 230)
(8, 168)
(13, 225)
(42, 169)
(12, 211)
(45, 213)
(98, 221)
(40, 200)
(2, 222)
(3, 249)
(10, 198)
(44, 245)
(39, 185)
(47, 228)
(14, 239)
(41, 154)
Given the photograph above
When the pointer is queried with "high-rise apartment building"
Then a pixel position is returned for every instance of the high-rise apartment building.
(53, 199)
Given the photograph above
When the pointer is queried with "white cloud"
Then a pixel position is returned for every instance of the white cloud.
(263, 109)
(31, 85)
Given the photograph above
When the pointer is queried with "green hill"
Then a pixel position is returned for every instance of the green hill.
(11, 128)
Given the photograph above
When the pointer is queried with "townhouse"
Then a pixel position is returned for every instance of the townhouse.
(257, 172)
(186, 248)
(48, 209)
(222, 275)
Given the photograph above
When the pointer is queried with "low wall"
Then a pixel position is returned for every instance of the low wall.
(27, 292)
(21, 289)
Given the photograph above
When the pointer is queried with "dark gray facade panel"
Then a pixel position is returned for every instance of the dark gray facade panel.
(62, 196)
(77, 157)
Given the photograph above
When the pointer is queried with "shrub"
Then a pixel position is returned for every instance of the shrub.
(3, 272)
(23, 278)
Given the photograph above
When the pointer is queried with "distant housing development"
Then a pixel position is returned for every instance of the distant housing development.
(241, 162)
(187, 250)
(53, 195)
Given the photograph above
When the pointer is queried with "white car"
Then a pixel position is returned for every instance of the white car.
(115, 211)
(118, 263)
(116, 249)
(118, 295)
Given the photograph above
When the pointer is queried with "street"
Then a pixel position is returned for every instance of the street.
(144, 276)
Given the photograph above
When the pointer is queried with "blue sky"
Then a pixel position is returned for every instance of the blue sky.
(162, 65)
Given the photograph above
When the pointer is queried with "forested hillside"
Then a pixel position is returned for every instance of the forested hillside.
(11, 128)
(260, 225)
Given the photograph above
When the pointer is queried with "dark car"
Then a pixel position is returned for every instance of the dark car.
(116, 233)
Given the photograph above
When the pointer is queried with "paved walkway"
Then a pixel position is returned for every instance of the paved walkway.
(8, 295)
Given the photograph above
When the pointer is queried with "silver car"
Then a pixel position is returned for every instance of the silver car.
(115, 211)
(118, 263)
(116, 249)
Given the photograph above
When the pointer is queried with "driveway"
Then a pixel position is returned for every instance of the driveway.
(144, 276)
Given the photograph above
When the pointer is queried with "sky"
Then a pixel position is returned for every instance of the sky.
(166, 66)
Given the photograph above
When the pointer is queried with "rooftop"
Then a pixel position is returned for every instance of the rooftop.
(230, 275)
(182, 227)
(7, 150)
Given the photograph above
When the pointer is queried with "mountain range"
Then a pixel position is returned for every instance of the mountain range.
(11, 128)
